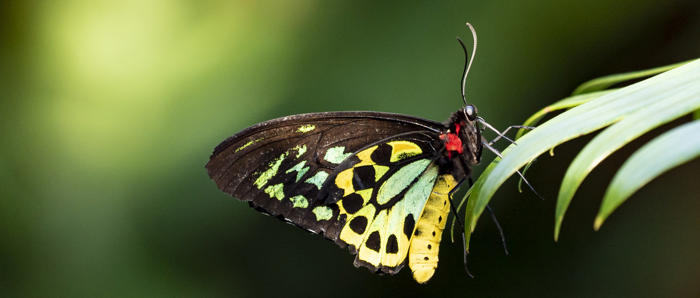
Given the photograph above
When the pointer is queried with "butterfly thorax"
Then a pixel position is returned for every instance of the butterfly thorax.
(462, 139)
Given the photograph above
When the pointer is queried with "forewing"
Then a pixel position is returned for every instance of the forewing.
(280, 165)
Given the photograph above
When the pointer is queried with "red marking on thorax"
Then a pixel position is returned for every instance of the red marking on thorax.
(452, 141)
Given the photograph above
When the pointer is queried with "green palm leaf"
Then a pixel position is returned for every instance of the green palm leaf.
(616, 136)
(563, 104)
(669, 95)
(677, 146)
(607, 81)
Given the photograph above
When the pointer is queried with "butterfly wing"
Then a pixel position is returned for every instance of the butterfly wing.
(360, 178)
(296, 154)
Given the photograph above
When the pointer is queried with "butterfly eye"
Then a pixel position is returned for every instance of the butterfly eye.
(470, 110)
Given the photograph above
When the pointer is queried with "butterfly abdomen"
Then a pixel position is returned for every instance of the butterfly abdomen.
(423, 251)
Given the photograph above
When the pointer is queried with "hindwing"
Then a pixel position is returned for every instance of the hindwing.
(381, 230)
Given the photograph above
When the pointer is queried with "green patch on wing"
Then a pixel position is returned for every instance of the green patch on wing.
(336, 155)
(417, 195)
(318, 179)
(275, 191)
(247, 144)
(301, 149)
(299, 201)
(274, 166)
(271, 171)
(400, 180)
(300, 168)
(306, 128)
(323, 213)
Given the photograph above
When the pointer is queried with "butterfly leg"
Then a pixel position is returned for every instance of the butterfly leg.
(489, 126)
(459, 221)
(498, 226)
(502, 134)
(495, 221)
(498, 153)
(506, 131)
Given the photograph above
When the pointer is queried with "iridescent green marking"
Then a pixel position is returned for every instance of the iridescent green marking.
(270, 172)
(417, 195)
(306, 128)
(335, 155)
(323, 213)
(275, 165)
(247, 144)
(299, 201)
(400, 180)
(301, 149)
(275, 191)
(300, 169)
(318, 179)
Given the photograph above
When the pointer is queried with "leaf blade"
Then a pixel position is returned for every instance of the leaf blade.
(607, 81)
(679, 145)
(566, 103)
(618, 135)
(573, 123)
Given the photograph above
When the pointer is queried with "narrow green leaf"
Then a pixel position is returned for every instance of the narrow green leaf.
(673, 105)
(607, 81)
(586, 92)
(663, 153)
(581, 120)
(563, 104)
(696, 115)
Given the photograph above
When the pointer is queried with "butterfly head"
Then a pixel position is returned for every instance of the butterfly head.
(463, 137)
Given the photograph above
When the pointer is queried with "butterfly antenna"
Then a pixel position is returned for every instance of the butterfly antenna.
(498, 226)
(467, 62)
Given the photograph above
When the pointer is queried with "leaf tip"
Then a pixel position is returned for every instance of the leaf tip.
(597, 223)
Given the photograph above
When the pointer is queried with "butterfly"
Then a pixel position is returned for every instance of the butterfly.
(376, 183)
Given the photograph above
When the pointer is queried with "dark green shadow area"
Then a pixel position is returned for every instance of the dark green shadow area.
(109, 111)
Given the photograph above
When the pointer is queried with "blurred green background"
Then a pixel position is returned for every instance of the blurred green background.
(109, 111)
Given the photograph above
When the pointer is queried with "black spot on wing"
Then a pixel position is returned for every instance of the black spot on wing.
(408, 224)
(358, 224)
(363, 177)
(392, 245)
(352, 203)
(374, 241)
(382, 154)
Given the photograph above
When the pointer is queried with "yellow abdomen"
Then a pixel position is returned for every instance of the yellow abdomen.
(425, 244)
